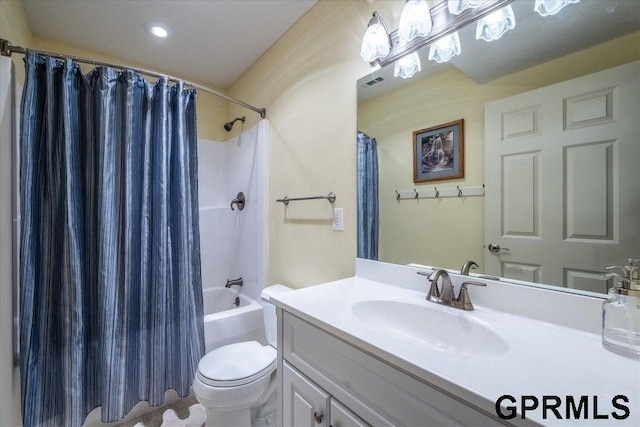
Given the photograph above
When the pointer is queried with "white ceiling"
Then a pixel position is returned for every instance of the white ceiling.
(214, 41)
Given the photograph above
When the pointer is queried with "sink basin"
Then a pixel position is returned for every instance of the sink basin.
(449, 332)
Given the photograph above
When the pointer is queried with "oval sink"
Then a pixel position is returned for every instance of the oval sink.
(440, 330)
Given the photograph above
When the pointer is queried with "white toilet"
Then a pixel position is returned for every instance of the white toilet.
(234, 379)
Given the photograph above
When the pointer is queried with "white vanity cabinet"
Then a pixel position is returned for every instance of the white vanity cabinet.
(305, 404)
(325, 376)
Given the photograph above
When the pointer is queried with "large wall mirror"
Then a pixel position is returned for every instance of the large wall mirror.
(589, 207)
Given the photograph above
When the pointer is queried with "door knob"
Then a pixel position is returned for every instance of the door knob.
(318, 417)
(494, 248)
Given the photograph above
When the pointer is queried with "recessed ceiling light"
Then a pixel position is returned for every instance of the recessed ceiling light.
(158, 29)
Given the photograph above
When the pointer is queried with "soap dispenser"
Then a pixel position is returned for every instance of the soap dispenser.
(621, 312)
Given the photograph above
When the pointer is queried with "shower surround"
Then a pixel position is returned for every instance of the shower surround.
(234, 242)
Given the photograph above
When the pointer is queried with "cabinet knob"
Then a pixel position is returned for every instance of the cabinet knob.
(317, 417)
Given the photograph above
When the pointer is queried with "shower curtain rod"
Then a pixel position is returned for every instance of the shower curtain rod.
(6, 49)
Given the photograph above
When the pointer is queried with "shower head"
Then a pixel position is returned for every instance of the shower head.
(229, 125)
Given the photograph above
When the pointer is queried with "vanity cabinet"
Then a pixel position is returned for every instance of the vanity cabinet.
(327, 376)
(305, 404)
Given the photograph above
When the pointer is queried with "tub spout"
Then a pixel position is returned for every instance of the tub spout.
(234, 282)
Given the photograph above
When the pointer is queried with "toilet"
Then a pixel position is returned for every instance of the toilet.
(235, 380)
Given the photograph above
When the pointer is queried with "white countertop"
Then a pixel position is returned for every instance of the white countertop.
(543, 359)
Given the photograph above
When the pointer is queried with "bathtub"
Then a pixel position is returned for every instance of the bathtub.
(224, 323)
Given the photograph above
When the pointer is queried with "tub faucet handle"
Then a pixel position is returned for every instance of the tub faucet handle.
(239, 201)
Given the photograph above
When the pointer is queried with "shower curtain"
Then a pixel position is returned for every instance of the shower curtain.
(111, 293)
(367, 197)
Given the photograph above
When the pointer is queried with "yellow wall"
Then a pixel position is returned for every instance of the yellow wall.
(447, 232)
(13, 27)
(307, 82)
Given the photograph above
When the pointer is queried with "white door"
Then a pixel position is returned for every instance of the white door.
(562, 172)
(304, 403)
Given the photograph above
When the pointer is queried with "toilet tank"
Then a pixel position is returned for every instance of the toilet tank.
(269, 312)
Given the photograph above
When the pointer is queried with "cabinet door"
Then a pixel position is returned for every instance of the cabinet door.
(304, 403)
(343, 417)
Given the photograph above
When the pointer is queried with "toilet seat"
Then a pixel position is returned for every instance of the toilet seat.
(236, 364)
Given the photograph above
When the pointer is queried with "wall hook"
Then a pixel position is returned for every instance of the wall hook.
(397, 195)
(437, 192)
(483, 190)
(417, 195)
(459, 191)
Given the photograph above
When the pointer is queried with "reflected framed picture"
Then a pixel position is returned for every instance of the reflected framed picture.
(438, 152)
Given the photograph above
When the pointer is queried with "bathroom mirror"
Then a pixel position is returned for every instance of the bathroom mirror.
(583, 38)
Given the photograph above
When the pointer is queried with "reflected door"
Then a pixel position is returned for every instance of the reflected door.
(562, 172)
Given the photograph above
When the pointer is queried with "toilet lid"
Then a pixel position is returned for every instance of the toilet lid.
(236, 364)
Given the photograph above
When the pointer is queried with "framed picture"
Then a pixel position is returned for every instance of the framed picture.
(438, 152)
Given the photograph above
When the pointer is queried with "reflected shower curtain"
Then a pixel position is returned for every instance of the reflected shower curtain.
(367, 197)
(111, 298)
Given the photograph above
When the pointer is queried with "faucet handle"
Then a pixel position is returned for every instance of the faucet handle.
(434, 292)
(463, 298)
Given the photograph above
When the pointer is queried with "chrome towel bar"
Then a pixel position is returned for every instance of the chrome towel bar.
(330, 197)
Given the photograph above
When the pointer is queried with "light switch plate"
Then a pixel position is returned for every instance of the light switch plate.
(338, 222)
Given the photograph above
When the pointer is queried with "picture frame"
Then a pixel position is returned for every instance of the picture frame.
(438, 152)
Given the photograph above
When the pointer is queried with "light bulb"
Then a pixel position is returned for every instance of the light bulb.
(494, 25)
(375, 43)
(158, 29)
(407, 66)
(415, 20)
(551, 7)
(457, 6)
(442, 50)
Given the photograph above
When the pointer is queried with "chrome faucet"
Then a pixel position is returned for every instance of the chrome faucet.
(446, 295)
(234, 282)
(467, 266)
(446, 291)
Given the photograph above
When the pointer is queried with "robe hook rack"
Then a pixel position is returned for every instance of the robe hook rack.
(437, 193)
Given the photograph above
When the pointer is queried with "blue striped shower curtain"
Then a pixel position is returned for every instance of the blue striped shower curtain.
(111, 293)
(368, 218)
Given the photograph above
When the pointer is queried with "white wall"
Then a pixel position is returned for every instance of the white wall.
(234, 243)
(9, 376)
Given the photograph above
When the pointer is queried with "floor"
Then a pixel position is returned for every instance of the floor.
(183, 413)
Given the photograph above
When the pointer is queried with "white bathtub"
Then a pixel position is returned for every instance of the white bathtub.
(224, 323)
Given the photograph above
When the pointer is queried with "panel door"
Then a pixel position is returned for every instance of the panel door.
(304, 403)
(341, 416)
(562, 172)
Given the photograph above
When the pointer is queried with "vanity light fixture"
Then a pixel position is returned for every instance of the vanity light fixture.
(493, 17)
(407, 66)
(444, 49)
(380, 47)
(375, 43)
(158, 29)
(494, 25)
(551, 7)
(415, 20)
(456, 7)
